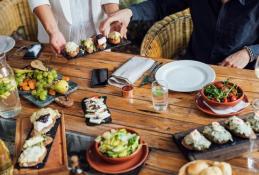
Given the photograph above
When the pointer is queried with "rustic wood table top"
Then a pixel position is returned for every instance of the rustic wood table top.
(154, 127)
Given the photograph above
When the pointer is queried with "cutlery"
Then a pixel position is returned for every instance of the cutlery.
(150, 76)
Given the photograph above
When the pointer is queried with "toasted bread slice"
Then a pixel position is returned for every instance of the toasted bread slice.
(37, 140)
(114, 41)
(251, 136)
(32, 156)
(44, 130)
(189, 147)
(214, 140)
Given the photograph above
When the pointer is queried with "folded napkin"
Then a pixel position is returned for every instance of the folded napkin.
(131, 71)
(241, 105)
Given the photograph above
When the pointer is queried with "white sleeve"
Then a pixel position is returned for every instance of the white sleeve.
(37, 3)
(109, 2)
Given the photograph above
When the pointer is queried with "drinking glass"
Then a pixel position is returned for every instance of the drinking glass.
(253, 161)
(257, 67)
(160, 95)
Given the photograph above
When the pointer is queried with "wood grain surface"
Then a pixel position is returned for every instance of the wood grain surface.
(156, 128)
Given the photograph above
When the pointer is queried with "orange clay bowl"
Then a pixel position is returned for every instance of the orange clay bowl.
(121, 159)
(221, 105)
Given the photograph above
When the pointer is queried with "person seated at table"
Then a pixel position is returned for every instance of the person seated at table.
(225, 32)
(70, 20)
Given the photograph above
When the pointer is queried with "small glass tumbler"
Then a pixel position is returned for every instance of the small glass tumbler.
(252, 160)
(160, 95)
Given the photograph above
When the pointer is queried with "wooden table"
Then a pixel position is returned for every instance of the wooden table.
(154, 127)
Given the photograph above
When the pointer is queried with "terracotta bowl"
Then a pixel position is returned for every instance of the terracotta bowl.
(221, 105)
(121, 159)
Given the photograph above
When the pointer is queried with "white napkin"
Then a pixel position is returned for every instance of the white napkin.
(241, 105)
(131, 71)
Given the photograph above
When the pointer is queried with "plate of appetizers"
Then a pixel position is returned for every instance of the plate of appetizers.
(219, 140)
(185, 75)
(41, 85)
(129, 152)
(96, 111)
(40, 143)
(94, 44)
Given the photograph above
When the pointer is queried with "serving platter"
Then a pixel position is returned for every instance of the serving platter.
(218, 152)
(82, 53)
(56, 158)
(185, 75)
(39, 103)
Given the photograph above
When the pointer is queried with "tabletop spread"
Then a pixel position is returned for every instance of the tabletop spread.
(156, 128)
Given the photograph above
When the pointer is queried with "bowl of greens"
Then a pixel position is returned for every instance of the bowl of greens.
(118, 145)
(222, 94)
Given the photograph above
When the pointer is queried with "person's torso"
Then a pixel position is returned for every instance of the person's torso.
(220, 30)
(81, 25)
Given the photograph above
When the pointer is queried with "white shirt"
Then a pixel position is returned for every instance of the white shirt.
(77, 19)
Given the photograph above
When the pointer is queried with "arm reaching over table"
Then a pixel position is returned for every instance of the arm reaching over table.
(44, 13)
(151, 10)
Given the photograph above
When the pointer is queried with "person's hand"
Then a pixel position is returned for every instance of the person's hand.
(238, 60)
(122, 17)
(57, 41)
(115, 26)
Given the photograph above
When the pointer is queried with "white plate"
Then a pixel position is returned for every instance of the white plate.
(186, 75)
(6, 43)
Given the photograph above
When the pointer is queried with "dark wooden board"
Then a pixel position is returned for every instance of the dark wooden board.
(57, 158)
(218, 152)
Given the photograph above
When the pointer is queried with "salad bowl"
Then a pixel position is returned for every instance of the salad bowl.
(115, 157)
(222, 94)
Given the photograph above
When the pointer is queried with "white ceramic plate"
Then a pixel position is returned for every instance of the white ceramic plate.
(186, 75)
(6, 43)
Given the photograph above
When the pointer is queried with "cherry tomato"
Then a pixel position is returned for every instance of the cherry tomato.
(225, 100)
(219, 85)
(233, 98)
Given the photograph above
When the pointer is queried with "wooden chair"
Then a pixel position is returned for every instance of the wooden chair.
(16, 16)
(169, 37)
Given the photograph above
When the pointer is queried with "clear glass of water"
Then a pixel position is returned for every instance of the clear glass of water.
(160, 95)
(257, 68)
(253, 161)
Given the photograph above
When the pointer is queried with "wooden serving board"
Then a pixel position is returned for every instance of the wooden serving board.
(57, 159)
(217, 152)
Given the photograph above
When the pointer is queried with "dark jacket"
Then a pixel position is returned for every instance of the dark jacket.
(219, 30)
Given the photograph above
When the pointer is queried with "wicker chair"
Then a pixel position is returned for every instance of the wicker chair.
(169, 37)
(16, 16)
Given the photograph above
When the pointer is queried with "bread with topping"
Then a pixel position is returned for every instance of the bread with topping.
(37, 140)
(72, 49)
(196, 141)
(32, 156)
(43, 120)
(217, 133)
(240, 128)
(254, 122)
(114, 38)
